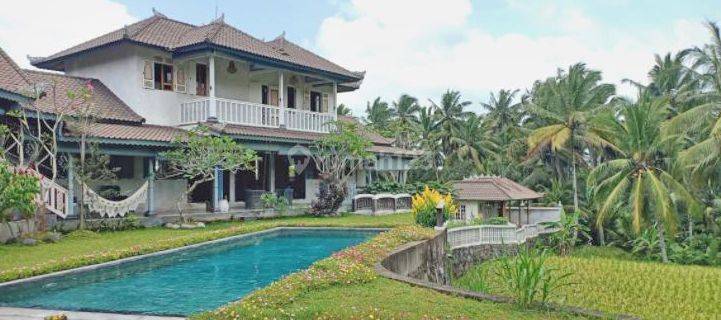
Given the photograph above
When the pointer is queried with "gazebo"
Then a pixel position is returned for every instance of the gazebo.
(491, 196)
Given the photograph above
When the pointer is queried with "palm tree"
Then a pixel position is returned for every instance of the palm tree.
(378, 115)
(471, 140)
(503, 112)
(405, 111)
(567, 105)
(638, 181)
(450, 112)
(703, 122)
(342, 110)
(672, 79)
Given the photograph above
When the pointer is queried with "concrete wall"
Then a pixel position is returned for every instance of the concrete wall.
(15, 228)
(424, 260)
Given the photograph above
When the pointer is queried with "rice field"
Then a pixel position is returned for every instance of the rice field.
(612, 283)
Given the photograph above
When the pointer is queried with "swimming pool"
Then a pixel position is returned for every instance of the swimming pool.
(187, 281)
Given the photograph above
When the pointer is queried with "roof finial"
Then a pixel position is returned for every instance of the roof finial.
(126, 32)
(157, 13)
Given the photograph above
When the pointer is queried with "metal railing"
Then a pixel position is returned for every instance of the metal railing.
(254, 114)
(494, 234)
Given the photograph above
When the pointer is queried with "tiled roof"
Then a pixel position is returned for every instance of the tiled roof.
(106, 104)
(137, 132)
(493, 189)
(373, 136)
(380, 144)
(176, 36)
(12, 78)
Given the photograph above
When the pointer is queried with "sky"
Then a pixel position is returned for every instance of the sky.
(416, 47)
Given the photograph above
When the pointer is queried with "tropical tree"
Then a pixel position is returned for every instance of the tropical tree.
(405, 111)
(343, 110)
(472, 140)
(639, 179)
(503, 111)
(568, 104)
(450, 112)
(378, 115)
(671, 79)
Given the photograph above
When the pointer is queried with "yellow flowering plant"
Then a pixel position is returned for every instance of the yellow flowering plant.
(423, 206)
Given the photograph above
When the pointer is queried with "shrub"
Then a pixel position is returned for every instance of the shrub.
(496, 221)
(19, 189)
(330, 198)
(410, 188)
(272, 201)
(528, 277)
(423, 206)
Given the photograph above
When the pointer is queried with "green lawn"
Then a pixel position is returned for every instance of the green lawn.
(20, 261)
(608, 279)
(387, 299)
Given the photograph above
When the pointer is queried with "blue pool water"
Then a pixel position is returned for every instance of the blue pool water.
(187, 281)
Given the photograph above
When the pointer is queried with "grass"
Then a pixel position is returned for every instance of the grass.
(20, 261)
(607, 279)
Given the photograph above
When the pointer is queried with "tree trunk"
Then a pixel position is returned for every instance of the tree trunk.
(690, 225)
(662, 241)
(575, 181)
(601, 235)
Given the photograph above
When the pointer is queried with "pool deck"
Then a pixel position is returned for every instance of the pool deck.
(8, 313)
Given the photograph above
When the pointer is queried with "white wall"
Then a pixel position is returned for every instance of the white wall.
(120, 68)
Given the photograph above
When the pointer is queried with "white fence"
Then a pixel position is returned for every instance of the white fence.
(255, 114)
(494, 234)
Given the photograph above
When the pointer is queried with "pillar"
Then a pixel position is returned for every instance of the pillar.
(231, 187)
(217, 188)
(71, 185)
(271, 171)
(151, 186)
(281, 99)
(213, 112)
(335, 100)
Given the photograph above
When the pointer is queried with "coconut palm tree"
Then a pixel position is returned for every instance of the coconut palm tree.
(472, 140)
(703, 122)
(638, 180)
(378, 115)
(405, 111)
(566, 105)
(503, 111)
(450, 112)
(672, 79)
(342, 110)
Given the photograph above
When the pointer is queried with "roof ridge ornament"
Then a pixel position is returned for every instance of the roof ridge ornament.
(157, 13)
(126, 32)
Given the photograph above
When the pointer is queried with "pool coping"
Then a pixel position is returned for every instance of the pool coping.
(159, 253)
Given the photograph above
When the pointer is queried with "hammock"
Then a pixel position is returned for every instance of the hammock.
(112, 209)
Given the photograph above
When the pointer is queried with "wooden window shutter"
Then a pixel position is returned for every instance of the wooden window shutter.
(306, 100)
(324, 104)
(148, 75)
(180, 80)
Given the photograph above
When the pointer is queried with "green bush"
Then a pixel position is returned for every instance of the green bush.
(410, 188)
(497, 221)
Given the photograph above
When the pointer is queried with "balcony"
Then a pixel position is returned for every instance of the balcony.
(254, 114)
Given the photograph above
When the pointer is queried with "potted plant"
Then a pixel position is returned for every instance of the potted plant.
(273, 204)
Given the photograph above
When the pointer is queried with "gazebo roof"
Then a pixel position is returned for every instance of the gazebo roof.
(492, 188)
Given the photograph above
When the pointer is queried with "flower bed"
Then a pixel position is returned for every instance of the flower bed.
(351, 266)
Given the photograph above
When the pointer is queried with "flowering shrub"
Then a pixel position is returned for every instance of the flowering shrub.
(423, 206)
(19, 188)
(351, 266)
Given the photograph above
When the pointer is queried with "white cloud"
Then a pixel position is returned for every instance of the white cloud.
(40, 28)
(425, 48)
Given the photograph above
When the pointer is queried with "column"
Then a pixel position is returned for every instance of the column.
(231, 187)
(271, 171)
(335, 100)
(281, 98)
(71, 185)
(217, 188)
(151, 187)
(213, 112)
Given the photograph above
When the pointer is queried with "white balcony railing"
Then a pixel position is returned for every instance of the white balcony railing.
(254, 114)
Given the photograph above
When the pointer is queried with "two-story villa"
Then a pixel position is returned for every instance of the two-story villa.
(159, 76)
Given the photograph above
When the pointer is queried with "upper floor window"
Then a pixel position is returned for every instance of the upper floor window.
(461, 212)
(315, 101)
(159, 76)
(290, 97)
